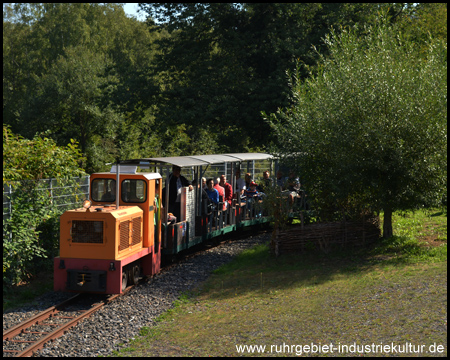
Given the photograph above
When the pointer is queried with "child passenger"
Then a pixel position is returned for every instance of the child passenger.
(252, 192)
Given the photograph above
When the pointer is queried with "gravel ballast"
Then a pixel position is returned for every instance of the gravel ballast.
(113, 326)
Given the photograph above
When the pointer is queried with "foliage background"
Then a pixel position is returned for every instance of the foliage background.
(193, 78)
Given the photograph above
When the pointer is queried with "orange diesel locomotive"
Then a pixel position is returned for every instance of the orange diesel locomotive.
(104, 247)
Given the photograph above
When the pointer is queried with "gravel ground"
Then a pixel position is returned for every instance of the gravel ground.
(120, 321)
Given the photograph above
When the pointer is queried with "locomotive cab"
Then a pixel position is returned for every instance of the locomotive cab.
(104, 247)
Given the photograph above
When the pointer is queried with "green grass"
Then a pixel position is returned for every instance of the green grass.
(392, 292)
(26, 292)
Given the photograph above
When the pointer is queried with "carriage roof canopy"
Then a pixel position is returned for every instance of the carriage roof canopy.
(198, 160)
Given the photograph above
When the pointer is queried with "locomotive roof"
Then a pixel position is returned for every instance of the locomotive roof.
(198, 160)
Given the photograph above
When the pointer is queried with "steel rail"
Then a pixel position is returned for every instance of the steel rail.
(43, 315)
(60, 329)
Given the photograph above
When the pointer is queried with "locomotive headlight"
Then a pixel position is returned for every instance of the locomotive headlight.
(86, 204)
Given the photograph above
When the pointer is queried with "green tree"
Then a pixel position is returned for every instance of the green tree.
(371, 126)
(19, 62)
(133, 51)
(82, 71)
(69, 101)
(226, 62)
(424, 20)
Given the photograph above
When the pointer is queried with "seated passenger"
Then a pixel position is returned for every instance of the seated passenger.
(293, 182)
(228, 190)
(280, 179)
(221, 191)
(252, 193)
(293, 186)
(212, 192)
(248, 180)
(240, 183)
(252, 196)
(265, 183)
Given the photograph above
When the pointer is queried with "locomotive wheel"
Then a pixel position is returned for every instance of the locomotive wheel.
(124, 279)
(135, 275)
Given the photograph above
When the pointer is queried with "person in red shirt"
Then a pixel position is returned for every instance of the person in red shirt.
(221, 191)
(228, 190)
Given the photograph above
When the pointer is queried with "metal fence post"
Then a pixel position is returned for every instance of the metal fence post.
(51, 191)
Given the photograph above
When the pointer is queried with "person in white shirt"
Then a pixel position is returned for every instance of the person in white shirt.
(240, 183)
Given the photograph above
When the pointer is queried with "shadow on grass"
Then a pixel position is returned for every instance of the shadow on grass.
(257, 269)
(26, 293)
(441, 213)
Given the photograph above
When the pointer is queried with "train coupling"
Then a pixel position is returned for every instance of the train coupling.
(82, 282)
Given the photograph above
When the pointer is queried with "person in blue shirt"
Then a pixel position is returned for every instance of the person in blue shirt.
(212, 192)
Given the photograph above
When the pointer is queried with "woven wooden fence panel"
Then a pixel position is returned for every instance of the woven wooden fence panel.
(325, 236)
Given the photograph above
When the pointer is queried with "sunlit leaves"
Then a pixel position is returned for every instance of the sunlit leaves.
(38, 158)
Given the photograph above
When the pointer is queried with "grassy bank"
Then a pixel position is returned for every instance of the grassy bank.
(393, 292)
(27, 291)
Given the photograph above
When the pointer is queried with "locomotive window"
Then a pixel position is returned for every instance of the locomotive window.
(104, 190)
(134, 191)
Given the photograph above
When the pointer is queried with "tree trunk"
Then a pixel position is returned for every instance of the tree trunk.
(387, 224)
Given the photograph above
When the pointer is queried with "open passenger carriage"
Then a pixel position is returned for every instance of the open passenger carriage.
(193, 227)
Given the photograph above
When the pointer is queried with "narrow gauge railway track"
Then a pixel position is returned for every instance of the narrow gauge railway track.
(32, 334)
(27, 337)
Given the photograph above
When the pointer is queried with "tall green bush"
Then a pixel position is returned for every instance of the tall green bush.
(30, 235)
(370, 128)
(23, 248)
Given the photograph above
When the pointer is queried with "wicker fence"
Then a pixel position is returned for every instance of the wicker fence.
(325, 236)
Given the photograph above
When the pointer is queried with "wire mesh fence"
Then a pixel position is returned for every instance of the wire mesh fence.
(64, 194)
